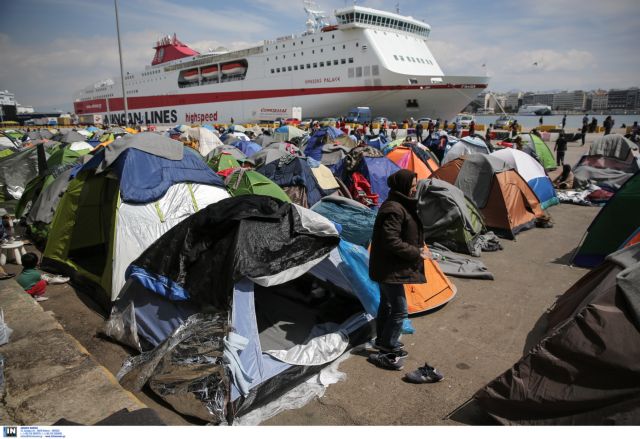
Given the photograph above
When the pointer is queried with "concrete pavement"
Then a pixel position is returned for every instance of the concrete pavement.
(48, 375)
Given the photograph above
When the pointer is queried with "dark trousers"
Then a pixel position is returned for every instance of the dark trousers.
(584, 137)
(391, 313)
(560, 157)
(419, 137)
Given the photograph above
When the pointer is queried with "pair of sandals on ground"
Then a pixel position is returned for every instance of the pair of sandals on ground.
(393, 359)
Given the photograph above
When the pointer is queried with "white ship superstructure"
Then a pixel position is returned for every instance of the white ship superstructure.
(368, 58)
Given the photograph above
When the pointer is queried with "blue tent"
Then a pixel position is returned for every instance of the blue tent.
(145, 177)
(315, 142)
(355, 219)
(377, 170)
(294, 172)
(378, 142)
(247, 147)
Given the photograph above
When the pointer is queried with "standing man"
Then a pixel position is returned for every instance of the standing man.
(564, 121)
(472, 128)
(585, 127)
(561, 148)
(397, 258)
(541, 121)
(419, 131)
(607, 124)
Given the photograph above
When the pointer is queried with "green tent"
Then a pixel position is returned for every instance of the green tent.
(246, 182)
(57, 162)
(6, 152)
(543, 151)
(615, 223)
(223, 161)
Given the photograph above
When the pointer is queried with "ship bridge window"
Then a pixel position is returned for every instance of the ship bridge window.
(343, 61)
(350, 60)
(321, 63)
(301, 66)
(273, 71)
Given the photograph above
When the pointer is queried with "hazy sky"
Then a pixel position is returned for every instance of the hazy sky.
(51, 48)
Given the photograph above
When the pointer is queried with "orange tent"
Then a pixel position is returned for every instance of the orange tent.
(436, 292)
(511, 205)
(404, 157)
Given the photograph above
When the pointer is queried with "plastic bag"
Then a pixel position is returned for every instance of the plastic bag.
(121, 326)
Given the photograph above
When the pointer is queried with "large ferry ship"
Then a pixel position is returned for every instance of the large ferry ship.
(367, 57)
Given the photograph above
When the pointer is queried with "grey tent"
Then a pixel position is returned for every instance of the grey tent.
(449, 217)
(273, 152)
(16, 171)
(611, 161)
(581, 363)
(69, 137)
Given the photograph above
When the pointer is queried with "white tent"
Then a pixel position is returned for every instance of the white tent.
(466, 145)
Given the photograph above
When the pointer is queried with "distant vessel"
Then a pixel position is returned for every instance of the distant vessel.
(535, 110)
(370, 57)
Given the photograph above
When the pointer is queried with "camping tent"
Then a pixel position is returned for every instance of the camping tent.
(355, 219)
(244, 181)
(62, 159)
(449, 217)
(266, 332)
(287, 132)
(406, 158)
(120, 202)
(581, 367)
(536, 147)
(16, 170)
(617, 220)
(294, 175)
(533, 173)
(248, 148)
(203, 139)
(610, 162)
(507, 203)
(466, 145)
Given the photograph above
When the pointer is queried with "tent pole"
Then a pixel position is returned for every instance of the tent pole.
(124, 96)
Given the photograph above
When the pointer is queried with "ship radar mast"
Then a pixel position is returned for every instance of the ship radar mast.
(317, 19)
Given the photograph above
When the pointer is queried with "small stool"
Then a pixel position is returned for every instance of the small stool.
(15, 249)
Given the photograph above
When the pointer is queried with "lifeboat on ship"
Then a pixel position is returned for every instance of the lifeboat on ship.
(210, 72)
(190, 75)
(233, 68)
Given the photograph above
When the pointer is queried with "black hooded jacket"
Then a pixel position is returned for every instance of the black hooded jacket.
(397, 236)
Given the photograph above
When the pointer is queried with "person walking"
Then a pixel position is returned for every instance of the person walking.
(585, 128)
(561, 148)
(397, 258)
(564, 121)
(540, 121)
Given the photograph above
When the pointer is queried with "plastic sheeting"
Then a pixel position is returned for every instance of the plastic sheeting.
(187, 369)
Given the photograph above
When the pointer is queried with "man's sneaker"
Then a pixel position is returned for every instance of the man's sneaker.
(386, 349)
(425, 374)
(387, 361)
(41, 298)
(54, 280)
